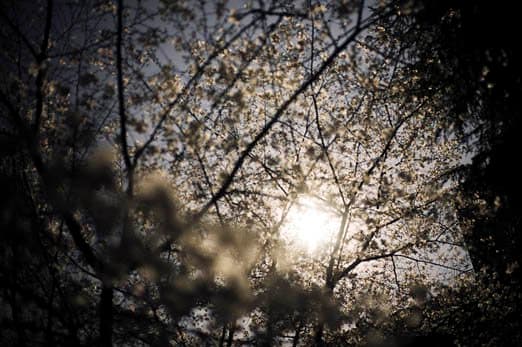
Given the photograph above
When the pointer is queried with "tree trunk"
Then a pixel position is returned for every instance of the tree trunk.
(318, 337)
(230, 336)
(106, 316)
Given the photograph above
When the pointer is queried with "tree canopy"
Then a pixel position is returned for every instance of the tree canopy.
(259, 173)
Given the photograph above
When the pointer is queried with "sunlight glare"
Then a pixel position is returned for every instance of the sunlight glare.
(310, 224)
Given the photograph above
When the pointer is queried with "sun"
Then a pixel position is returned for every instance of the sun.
(310, 224)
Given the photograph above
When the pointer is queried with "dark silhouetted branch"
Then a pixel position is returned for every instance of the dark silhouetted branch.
(121, 100)
(42, 68)
(279, 113)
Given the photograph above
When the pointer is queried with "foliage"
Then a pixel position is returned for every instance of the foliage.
(152, 152)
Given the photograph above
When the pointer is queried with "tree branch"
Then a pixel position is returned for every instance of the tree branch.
(429, 262)
(280, 111)
(42, 69)
(17, 30)
(358, 261)
(163, 116)
(121, 100)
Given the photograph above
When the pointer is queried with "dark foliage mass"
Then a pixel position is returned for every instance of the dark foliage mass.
(485, 78)
(153, 155)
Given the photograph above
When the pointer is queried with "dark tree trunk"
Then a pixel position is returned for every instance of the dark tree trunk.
(106, 316)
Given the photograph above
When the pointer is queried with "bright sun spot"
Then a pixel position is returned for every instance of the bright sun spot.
(310, 224)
